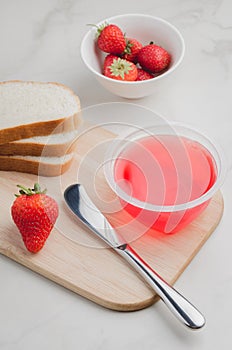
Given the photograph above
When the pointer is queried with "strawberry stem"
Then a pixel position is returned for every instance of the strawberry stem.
(37, 188)
(99, 28)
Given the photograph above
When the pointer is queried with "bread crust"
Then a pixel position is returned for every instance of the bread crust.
(43, 128)
(38, 149)
(34, 167)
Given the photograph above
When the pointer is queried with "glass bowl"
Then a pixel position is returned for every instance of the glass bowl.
(164, 175)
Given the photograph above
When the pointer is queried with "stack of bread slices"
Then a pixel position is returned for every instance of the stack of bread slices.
(38, 127)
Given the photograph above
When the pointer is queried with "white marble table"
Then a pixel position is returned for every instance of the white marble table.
(40, 40)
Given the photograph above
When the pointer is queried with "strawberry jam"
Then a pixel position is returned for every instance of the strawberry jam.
(165, 170)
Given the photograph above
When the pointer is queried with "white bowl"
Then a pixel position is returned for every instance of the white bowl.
(144, 28)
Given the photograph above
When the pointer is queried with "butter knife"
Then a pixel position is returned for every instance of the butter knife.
(82, 206)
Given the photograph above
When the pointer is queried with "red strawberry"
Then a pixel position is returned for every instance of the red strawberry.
(143, 75)
(111, 39)
(153, 58)
(119, 68)
(108, 61)
(133, 46)
(35, 214)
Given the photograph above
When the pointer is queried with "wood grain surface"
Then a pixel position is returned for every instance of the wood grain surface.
(75, 259)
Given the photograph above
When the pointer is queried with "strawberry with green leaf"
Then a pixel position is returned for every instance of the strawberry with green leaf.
(110, 39)
(119, 68)
(35, 214)
(133, 46)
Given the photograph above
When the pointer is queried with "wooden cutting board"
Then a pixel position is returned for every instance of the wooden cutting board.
(75, 259)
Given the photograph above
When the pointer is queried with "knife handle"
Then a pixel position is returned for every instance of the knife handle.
(177, 304)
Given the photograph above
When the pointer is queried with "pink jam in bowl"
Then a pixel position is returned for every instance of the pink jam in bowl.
(164, 178)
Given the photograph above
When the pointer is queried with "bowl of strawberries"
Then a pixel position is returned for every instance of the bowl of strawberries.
(132, 55)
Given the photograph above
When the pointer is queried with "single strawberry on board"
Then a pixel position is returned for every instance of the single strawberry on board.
(133, 46)
(153, 58)
(111, 39)
(119, 68)
(35, 214)
(143, 75)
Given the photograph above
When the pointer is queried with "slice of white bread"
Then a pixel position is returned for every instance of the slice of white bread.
(55, 145)
(29, 109)
(43, 166)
